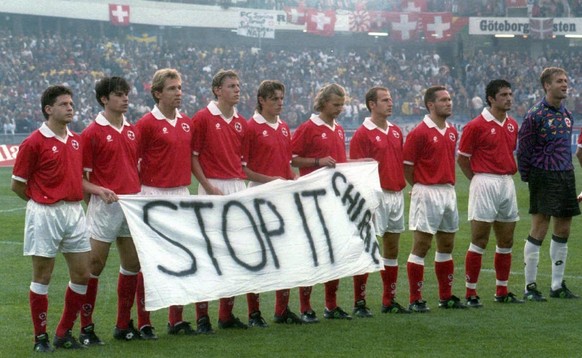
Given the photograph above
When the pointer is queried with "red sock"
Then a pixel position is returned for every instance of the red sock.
(389, 278)
(73, 302)
(472, 269)
(201, 309)
(281, 301)
(225, 307)
(360, 287)
(89, 304)
(38, 310)
(502, 263)
(331, 294)
(415, 280)
(253, 302)
(444, 272)
(126, 288)
(175, 315)
(305, 298)
(143, 316)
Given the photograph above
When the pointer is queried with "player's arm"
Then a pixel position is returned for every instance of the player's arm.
(304, 162)
(409, 173)
(579, 154)
(258, 177)
(19, 187)
(107, 195)
(465, 165)
(201, 177)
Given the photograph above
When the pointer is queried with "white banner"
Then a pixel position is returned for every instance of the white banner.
(256, 24)
(282, 234)
(520, 26)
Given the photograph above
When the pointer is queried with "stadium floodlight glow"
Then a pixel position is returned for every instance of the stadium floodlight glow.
(573, 36)
(504, 36)
(377, 33)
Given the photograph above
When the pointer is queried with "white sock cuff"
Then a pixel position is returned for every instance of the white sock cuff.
(503, 250)
(390, 262)
(80, 289)
(127, 272)
(442, 257)
(476, 249)
(416, 259)
(39, 288)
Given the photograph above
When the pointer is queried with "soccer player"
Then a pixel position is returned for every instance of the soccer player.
(382, 141)
(429, 166)
(48, 175)
(165, 136)
(545, 162)
(110, 157)
(266, 157)
(216, 162)
(320, 142)
(486, 159)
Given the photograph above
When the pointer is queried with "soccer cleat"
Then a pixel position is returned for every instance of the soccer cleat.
(419, 306)
(563, 292)
(87, 337)
(452, 302)
(147, 333)
(183, 326)
(288, 317)
(67, 342)
(361, 310)
(474, 302)
(309, 317)
(129, 334)
(532, 293)
(509, 298)
(256, 320)
(203, 325)
(42, 344)
(394, 307)
(233, 322)
(336, 313)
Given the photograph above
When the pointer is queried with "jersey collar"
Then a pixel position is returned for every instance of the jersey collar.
(491, 118)
(369, 125)
(215, 111)
(257, 117)
(319, 122)
(102, 121)
(48, 133)
(160, 116)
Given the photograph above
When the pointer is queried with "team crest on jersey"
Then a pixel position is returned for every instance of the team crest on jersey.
(75, 144)
(341, 134)
(186, 127)
(165, 130)
(131, 135)
(284, 131)
(568, 122)
(510, 128)
(493, 131)
(109, 138)
(452, 137)
(238, 127)
(378, 139)
(396, 134)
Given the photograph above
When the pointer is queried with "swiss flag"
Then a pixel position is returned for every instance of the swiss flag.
(403, 26)
(320, 22)
(515, 3)
(541, 28)
(378, 20)
(413, 5)
(119, 14)
(295, 15)
(437, 26)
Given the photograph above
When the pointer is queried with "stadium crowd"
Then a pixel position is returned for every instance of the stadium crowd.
(30, 63)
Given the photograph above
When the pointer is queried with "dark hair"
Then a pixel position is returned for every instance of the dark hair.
(267, 90)
(548, 74)
(219, 78)
(430, 94)
(372, 95)
(108, 85)
(50, 95)
(493, 89)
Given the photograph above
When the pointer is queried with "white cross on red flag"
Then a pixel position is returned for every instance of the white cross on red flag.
(320, 22)
(413, 6)
(403, 26)
(295, 15)
(119, 14)
(437, 26)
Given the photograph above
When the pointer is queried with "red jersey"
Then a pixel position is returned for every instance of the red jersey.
(267, 147)
(384, 146)
(164, 147)
(218, 143)
(490, 144)
(315, 139)
(432, 152)
(111, 155)
(51, 167)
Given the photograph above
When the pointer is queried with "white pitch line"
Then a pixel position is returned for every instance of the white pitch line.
(12, 210)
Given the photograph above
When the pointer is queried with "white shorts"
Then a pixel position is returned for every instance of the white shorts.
(106, 222)
(433, 208)
(389, 216)
(492, 198)
(59, 227)
(153, 191)
(227, 186)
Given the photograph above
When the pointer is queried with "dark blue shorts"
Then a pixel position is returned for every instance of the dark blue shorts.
(553, 193)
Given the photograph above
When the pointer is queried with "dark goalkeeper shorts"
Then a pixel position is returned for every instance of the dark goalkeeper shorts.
(553, 193)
